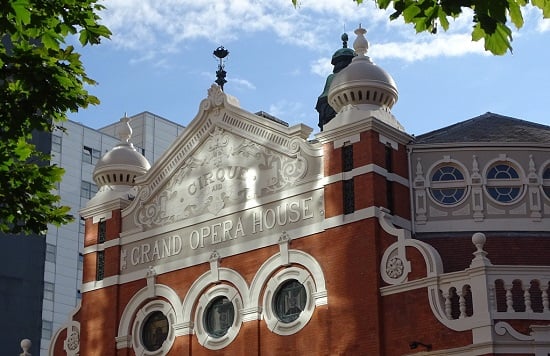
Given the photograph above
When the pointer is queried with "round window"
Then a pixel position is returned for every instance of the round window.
(289, 301)
(503, 183)
(155, 331)
(447, 185)
(219, 316)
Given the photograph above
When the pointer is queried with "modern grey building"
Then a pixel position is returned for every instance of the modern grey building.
(40, 277)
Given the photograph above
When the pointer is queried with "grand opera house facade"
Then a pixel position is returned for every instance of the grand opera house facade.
(248, 237)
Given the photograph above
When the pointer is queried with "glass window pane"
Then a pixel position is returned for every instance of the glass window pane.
(219, 317)
(289, 301)
(498, 188)
(155, 331)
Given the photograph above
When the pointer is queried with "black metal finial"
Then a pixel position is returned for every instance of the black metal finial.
(221, 53)
(345, 39)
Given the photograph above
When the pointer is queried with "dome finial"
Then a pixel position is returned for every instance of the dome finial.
(361, 45)
(125, 131)
(345, 39)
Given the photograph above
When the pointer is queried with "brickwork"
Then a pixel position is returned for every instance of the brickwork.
(357, 320)
(408, 317)
(456, 251)
(98, 332)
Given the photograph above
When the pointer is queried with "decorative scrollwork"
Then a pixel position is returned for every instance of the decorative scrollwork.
(225, 170)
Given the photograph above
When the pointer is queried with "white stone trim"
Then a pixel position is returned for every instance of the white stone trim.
(71, 344)
(385, 141)
(66, 326)
(101, 247)
(448, 161)
(137, 328)
(493, 224)
(144, 294)
(347, 140)
(294, 257)
(522, 180)
(104, 216)
(207, 279)
(368, 168)
(203, 337)
(270, 317)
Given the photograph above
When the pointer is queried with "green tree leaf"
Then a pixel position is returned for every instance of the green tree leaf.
(41, 80)
(544, 5)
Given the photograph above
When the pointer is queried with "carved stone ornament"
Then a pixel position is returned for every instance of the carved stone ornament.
(395, 267)
(224, 171)
(72, 342)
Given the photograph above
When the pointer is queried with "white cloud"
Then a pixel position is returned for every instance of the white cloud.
(241, 83)
(153, 28)
(543, 25)
(291, 112)
(322, 67)
(169, 23)
(442, 45)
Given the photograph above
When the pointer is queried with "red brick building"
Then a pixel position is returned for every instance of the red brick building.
(246, 238)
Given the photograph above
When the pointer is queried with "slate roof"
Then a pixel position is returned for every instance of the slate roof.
(488, 127)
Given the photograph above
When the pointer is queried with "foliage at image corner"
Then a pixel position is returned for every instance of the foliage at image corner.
(490, 21)
(41, 79)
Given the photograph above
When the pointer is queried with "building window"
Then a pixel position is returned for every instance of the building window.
(503, 183)
(388, 153)
(87, 189)
(102, 231)
(100, 267)
(347, 158)
(49, 289)
(546, 182)
(90, 155)
(47, 327)
(80, 263)
(81, 225)
(155, 331)
(289, 301)
(50, 252)
(448, 186)
(140, 150)
(348, 196)
(56, 143)
(152, 333)
(219, 316)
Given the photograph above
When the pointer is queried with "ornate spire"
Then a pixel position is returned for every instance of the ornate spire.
(125, 130)
(221, 53)
(361, 45)
(345, 39)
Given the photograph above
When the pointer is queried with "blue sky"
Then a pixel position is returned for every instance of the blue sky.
(159, 59)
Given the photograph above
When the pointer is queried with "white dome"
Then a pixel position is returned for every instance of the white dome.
(122, 164)
(362, 81)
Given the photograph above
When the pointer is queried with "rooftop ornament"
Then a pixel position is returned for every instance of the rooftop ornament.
(221, 53)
